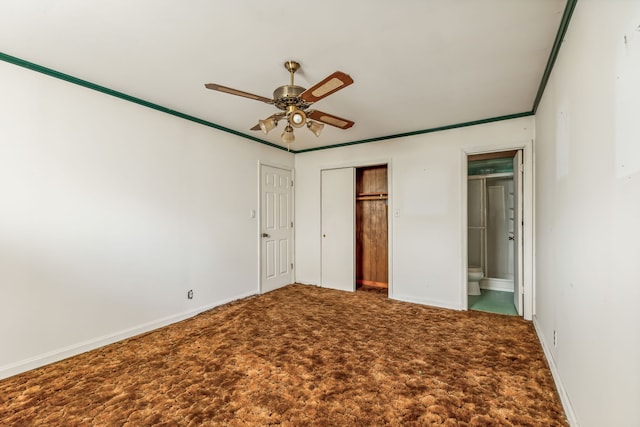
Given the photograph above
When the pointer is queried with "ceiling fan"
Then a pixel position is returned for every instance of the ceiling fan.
(294, 101)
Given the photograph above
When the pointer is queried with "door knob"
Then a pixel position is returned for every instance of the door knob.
(266, 235)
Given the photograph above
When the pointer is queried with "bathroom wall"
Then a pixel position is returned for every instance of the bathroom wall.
(500, 250)
(476, 233)
(490, 220)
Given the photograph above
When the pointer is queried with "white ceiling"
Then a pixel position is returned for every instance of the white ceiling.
(416, 64)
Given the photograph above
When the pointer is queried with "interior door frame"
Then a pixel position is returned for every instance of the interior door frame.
(258, 216)
(518, 230)
(364, 164)
(528, 259)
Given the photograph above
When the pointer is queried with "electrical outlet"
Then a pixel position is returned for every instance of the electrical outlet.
(555, 338)
(190, 294)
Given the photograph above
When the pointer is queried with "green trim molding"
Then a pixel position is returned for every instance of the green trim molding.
(564, 24)
(66, 77)
(419, 132)
(562, 30)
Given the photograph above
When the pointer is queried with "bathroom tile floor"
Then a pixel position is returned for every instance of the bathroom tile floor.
(493, 302)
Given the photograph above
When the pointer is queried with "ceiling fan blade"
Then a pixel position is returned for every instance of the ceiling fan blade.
(326, 87)
(225, 89)
(330, 119)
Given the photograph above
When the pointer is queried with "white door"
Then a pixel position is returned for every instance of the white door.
(276, 225)
(518, 174)
(338, 229)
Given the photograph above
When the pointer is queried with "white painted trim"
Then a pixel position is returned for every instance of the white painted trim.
(493, 284)
(429, 302)
(94, 343)
(295, 224)
(356, 163)
(390, 217)
(258, 227)
(528, 217)
(555, 373)
(464, 292)
(533, 227)
(307, 284)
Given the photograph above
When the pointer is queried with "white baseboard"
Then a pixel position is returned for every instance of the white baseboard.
(430, 302)
(56, 355)
(493, 284)
(562, 392)
(300, 282)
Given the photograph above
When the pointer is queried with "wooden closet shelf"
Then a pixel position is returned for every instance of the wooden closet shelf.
(378, 197)
(372, 196)
(375, 193)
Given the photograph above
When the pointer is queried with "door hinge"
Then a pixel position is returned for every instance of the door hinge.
(292, 183)
(292, 266)
(291, 224)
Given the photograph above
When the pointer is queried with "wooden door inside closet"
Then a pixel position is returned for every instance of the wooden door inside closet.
(372, 227)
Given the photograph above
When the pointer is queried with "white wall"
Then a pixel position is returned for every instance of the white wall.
(109, 213)
(426, 186)
(588, 215)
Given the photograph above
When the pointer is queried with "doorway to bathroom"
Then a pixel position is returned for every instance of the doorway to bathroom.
(494, 232)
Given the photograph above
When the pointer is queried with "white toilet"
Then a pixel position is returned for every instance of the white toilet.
(475, 275)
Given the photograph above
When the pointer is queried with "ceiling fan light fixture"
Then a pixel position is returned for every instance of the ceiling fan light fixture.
(294, 102)
(297, 118)
(315, 127)
(267, 125)
(287, 136)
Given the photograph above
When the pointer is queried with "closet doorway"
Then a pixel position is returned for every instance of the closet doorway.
(372, 230)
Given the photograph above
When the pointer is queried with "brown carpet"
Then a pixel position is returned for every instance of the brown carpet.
(374, 289)
(302, 355)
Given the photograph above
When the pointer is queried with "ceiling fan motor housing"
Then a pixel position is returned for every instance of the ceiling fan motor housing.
(294, 101)
(287, 95)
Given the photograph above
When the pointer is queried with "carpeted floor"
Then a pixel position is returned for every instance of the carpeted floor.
(373, 289)
(302, 355)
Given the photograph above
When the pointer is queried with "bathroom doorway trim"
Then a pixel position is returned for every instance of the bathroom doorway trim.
(528, 282)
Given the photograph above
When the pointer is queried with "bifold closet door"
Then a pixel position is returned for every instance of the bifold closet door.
(338, 229)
